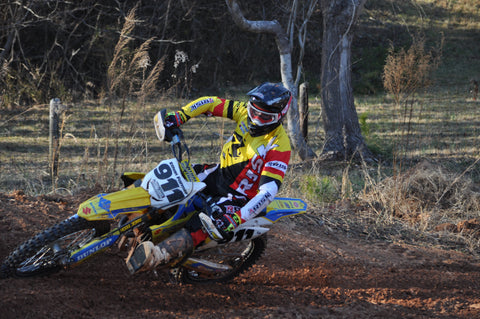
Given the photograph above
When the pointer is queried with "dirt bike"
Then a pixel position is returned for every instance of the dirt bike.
(152, 206)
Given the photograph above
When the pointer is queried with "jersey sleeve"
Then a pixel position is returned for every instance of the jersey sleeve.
(212, 106)
(270, 181)
(266, 194)
(276, 164)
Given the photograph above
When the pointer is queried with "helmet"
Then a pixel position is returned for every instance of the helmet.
(267, 106)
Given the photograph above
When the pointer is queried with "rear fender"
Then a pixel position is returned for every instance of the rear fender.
(279, 208)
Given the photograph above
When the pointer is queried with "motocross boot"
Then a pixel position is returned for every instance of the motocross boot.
(174, 249)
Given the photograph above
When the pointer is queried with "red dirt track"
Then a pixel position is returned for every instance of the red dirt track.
(308, 271)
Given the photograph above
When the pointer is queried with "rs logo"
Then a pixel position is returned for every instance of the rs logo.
(251, 175)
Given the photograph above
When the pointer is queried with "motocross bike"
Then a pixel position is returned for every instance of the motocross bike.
(152, 206)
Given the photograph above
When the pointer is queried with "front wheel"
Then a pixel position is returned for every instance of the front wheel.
(48, 251)
(240, 256)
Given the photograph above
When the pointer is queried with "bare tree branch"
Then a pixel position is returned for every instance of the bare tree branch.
(302, 35)
(253, 26)
(284, 46)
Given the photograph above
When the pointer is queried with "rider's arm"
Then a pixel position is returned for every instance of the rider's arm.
(210, 106)
(228, 221)
(266, 194)
(270, 181)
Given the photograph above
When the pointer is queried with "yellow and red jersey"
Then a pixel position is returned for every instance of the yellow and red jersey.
(246, 162)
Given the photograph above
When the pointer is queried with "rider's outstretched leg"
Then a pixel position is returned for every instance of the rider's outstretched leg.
(147, 256)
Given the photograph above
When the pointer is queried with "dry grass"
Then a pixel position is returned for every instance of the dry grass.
(408, 71)
(366, 200)
(426, 205)
(438, 184)
(425, 196)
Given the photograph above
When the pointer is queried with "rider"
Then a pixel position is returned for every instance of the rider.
(252, 165)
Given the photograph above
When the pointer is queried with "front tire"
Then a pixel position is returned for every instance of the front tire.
(239, 255)
(48, 251)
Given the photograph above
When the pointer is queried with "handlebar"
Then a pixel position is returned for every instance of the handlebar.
(173, 135)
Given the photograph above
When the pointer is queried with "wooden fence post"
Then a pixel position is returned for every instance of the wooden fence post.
(303, 109)
(56, 108)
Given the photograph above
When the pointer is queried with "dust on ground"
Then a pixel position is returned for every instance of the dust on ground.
(308, 271)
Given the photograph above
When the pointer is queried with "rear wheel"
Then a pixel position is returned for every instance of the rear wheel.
(48, 251)
(240, 256)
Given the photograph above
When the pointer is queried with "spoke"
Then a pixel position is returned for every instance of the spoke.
(35, 258)
(81, 238)
(63, 245)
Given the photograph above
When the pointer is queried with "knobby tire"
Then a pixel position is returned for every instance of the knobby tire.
(12, 266)
(249, 256)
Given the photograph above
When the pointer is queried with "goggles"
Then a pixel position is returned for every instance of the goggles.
(259, 117)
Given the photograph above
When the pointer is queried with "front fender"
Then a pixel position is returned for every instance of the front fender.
(108, 206)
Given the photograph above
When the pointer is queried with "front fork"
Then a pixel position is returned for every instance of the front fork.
(159, 224)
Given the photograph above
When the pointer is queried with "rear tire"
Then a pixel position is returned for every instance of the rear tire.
(48, 251)
(239, 255)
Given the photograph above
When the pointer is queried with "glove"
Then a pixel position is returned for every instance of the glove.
(173, 119)
(170, 132)
(228, 222)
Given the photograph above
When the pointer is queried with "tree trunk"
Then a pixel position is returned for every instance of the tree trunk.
(343, 137)
(293, 118)
(303, 109)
